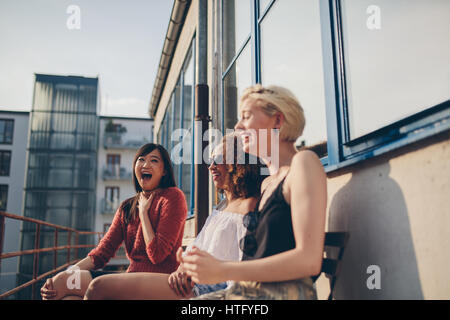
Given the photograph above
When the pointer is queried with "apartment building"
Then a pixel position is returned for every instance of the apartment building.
(13, 142)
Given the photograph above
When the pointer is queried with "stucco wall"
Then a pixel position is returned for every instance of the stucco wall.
(396, 209)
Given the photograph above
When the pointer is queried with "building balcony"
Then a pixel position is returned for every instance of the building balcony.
(108, 206)
(115, 172)
(118, 140)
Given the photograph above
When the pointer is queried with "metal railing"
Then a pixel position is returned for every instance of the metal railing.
(109, 206)
(37, 250)
(116, 140)
(116, 172)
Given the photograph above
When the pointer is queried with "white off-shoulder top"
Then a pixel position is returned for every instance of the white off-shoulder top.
(221, 234)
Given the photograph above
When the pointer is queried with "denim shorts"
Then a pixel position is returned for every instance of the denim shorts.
(200, 289)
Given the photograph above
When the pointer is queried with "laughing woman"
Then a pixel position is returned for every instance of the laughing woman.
(151, 224)
(283, 248)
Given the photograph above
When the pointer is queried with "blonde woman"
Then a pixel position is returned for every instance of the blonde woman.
(284, 242)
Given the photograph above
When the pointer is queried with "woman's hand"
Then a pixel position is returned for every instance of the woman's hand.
(203, 267)
(144, 204)
(180, 283)
(47, 290)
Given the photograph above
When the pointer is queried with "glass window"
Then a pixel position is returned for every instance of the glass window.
(63, 122)
(396, 59)
(60, 178)
(176, 124)
(238, 78)
(164, 131)
(3, 197)
(41, 121)
(6, 131)
(188, 98)
(237, 21)
(62, 141)
(291, 56)
(263, 5)
(43, 95)
(66, 98)
(5, 162)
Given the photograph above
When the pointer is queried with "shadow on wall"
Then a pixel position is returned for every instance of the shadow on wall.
(372, 208)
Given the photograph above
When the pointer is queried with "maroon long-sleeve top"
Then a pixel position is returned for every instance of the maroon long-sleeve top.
(167, 215)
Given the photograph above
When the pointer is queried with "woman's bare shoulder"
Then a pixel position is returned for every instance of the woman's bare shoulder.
(305, 160)
(307, 167)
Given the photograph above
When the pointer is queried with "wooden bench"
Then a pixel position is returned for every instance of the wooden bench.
(331, 267)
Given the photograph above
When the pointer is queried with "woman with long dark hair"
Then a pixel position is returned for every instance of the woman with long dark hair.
(151, 224)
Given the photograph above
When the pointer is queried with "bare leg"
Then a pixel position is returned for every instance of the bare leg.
(72, 298)
(79, 288)
(132, 286)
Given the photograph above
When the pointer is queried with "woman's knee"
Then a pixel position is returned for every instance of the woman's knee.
(70, 283)
(96, 289)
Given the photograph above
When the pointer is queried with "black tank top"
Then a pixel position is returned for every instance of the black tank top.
(269, 231)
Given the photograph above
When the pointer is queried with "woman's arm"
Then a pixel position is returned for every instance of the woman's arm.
(85, 264)
(109, 244)
(308, 198)
(170, 226)
(144, 206)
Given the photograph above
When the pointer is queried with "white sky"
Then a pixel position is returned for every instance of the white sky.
(120, 41)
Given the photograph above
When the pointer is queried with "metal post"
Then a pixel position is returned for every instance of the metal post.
(69, 239)
(35, 259)
(2, 237)
(201, 180)
(76, 245)
(55, 252)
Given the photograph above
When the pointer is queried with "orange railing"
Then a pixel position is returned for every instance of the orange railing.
(37, 250)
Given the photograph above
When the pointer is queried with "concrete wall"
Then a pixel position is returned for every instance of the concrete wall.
(15, 181)
(396, 208)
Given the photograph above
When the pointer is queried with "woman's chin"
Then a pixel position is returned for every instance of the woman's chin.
(217, 185)
(148, 188)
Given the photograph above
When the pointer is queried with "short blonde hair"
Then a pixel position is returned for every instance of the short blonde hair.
(273, 99)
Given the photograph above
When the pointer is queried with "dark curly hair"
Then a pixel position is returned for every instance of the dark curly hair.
(244, 171)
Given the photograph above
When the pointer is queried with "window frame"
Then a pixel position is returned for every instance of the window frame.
(2, 155)
(342, 151)
(6, 120)
(4, 190)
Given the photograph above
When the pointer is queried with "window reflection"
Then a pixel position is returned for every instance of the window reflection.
(291, 56)
(398, 69)
(263, 5)
(236, 27)
(237, 79)
(188, 96)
